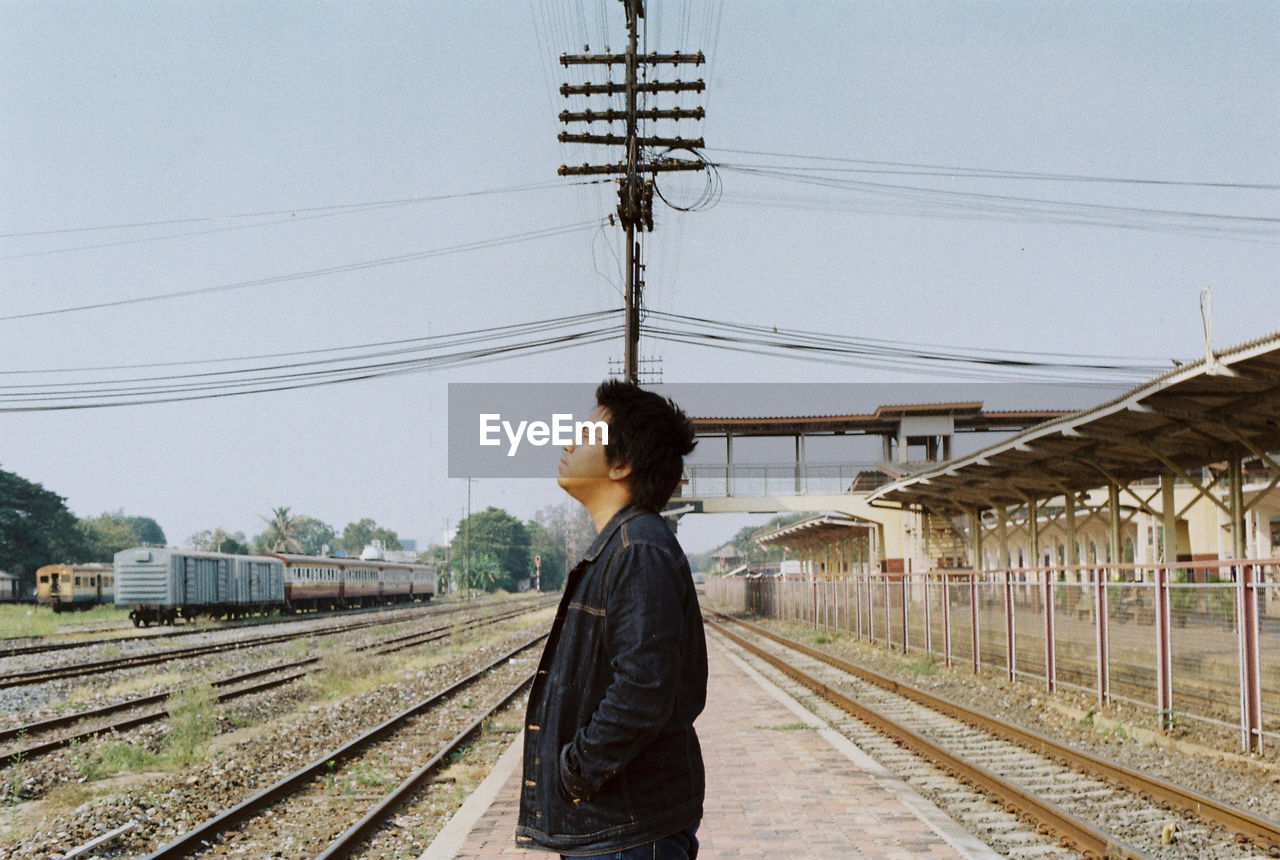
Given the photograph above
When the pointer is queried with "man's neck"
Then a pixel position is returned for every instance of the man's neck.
(602, 508)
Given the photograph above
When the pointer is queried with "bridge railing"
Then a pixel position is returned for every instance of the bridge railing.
(1193, 641)
(717, 481)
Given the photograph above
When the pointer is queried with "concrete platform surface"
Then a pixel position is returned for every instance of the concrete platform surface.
(780, 783)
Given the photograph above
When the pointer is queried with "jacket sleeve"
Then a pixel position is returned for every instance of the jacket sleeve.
(643, 634)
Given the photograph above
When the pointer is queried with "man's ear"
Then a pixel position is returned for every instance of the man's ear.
(620, 472)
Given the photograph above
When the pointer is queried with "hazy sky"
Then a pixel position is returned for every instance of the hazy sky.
(295, 156)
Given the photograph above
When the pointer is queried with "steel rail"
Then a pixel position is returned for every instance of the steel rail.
(1244, 824)
(346, 843)
(7, 650)
(39, 676)
(388, 646)
(192, 840)
(1086, 838)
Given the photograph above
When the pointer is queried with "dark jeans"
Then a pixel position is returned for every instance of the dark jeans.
(677, 846)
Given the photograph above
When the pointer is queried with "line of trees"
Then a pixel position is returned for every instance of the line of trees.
(296, 533)
(36, 529)
(493, 550)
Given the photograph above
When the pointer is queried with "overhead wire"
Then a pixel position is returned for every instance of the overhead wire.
(449, 339)
(481, 244)
(467, 348)
(310, 214)
(957, 172)
(933, 202)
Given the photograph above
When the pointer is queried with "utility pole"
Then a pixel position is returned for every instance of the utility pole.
(635, 192)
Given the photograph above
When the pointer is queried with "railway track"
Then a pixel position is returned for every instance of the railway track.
(1063, 789)
(40, 676)
(9, 647)
(236, 686)
(304, 815)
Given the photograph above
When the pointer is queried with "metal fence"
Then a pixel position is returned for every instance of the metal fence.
(1197, 641)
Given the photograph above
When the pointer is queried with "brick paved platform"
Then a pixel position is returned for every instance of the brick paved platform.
(780, 783)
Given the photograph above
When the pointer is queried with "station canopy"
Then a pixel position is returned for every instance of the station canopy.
(816, 531)
(1196, 415)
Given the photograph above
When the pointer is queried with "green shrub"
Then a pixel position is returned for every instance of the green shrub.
(191, 722)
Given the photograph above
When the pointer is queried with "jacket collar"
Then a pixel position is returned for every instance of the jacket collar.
(628, 512)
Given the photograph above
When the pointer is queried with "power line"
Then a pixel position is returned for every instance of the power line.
(469, 336)
(1007, 202)
(481, 244)
(302, 375)
(332, 209)
(951, 171)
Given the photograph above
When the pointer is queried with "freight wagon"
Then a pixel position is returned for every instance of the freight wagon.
(163, 585)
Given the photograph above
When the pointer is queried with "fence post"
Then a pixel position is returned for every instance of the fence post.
(973, 618)
(1100, 633)
(1250, 674)
(1050, 658)
(928, 620)
(1008, 624)
(946, 619)
(905, 593)
(1164, 662)
(857, 602)
(888, 640)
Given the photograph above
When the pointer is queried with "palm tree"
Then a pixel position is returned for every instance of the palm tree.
(282, 530)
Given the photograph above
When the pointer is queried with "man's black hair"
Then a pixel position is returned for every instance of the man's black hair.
(652, 434)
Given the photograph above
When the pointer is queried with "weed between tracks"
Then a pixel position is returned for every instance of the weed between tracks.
(86, 694)
(345, 673)
(191, 723)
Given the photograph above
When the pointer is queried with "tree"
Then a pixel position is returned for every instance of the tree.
(496, 532)
(281, 533)
(218, 540)
(35, 528)
(314, 535)
(750, 551)
(147, 530)
(356, 536)
(549, 547)
(570, 531)
(106, 535)
(310, 533)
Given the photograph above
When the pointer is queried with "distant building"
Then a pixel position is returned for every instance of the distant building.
(726, 558)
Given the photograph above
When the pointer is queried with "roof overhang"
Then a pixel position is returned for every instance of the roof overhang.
(813, 531)
(1192, 416)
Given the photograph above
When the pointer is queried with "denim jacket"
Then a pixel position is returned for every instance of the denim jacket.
(611, 759)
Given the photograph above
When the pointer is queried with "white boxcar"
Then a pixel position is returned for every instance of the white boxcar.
(162, 585)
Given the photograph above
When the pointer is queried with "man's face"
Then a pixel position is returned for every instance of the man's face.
(584, 467)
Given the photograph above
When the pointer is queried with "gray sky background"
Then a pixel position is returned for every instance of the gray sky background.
(231, 132)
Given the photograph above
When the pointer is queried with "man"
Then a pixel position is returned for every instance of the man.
(612, 765)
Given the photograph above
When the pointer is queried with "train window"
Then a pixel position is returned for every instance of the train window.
(44, 580)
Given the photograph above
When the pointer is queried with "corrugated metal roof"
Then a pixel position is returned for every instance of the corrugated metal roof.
(1190, 416)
